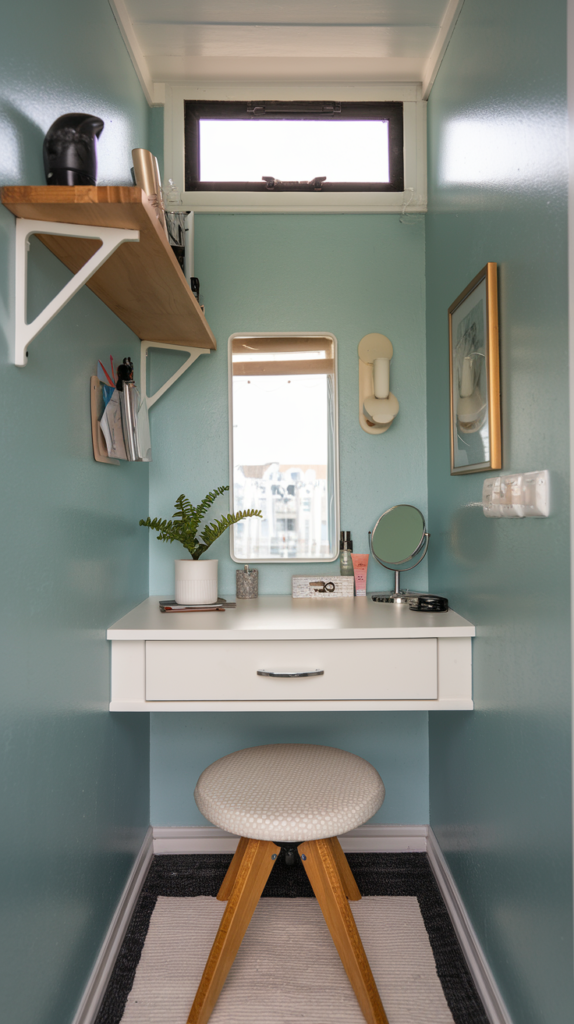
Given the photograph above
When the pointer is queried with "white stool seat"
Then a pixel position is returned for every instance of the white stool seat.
(289, 792)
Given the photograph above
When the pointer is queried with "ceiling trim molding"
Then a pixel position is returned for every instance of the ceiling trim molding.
(439, 49)
(273, 90)
(134, 49)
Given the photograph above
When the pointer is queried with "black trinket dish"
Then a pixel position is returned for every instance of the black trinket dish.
(428, 603)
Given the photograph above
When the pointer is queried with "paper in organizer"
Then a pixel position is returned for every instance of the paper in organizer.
(125, 423)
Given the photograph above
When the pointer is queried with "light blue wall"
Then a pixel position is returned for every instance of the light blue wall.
(395, 742)
(74, 801)
(500, 776)
(155, 136)
(349, 275)
(344, 274)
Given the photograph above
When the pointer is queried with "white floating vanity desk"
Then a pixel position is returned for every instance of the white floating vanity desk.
(281, 654)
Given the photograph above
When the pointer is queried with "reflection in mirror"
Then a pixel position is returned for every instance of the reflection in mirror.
(399, 537)
(284, 448)
(399, 534)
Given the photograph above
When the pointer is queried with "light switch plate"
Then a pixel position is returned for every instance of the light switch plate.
(517, 495)
(536, 493)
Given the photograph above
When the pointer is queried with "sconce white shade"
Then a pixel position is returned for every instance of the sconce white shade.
(381, 374)
(378, 406)
(381, 410)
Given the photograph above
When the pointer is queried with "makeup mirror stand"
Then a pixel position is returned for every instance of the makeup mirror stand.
(397, 596)
(397, 593)
(386, 527)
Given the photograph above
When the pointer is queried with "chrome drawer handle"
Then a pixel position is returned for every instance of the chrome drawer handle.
(291, 675)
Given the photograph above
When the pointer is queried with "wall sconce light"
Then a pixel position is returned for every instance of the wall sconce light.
(377, 404)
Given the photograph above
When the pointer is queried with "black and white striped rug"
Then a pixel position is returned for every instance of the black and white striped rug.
(287, 969)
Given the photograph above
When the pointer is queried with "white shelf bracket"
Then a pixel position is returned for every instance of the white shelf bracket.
(111, 239)
(193, 354)
(148, 400)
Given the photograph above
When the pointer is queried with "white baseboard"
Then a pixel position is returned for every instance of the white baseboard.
(366, 839)
(385, 839)
(193, 839)
(96, 987)
(481, 974)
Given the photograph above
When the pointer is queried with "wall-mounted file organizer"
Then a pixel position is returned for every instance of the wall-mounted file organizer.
(135, 421)
(115, 408)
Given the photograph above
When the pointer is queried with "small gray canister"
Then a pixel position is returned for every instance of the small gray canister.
(247, 583)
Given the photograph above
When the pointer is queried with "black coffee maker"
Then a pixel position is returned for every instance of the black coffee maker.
(70, 156)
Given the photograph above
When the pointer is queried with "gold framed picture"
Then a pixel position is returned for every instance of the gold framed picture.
(475, 436)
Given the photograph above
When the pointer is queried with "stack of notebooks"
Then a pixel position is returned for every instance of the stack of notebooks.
(218, 606)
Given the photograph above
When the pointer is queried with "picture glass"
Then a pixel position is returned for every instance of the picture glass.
(470, 412)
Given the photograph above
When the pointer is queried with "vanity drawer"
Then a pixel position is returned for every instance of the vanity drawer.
(351, 669)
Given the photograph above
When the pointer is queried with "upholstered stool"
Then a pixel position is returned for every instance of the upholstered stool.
(289, 793)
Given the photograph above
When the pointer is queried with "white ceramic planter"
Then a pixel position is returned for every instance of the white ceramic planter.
(196, 581)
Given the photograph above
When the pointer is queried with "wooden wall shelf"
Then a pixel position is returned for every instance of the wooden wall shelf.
(141, 282)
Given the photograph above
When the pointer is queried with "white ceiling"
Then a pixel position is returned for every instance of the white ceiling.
(286, 40)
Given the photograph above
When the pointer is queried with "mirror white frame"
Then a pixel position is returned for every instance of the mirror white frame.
(246, 335)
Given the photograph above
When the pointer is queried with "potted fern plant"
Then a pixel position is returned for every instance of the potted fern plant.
(195, 581)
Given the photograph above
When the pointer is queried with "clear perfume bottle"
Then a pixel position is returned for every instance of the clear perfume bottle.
(345, 548)
(171, 193)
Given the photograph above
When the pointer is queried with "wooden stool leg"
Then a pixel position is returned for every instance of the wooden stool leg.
(227, 884)
(350, 887)
(252, 874)
(321, 868)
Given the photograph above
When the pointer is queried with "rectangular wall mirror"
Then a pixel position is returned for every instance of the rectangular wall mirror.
(284, 446)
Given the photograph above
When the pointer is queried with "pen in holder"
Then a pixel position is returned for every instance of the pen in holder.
(247, 583)
(129, 404)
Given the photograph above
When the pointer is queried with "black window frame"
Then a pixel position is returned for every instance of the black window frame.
(391, 111)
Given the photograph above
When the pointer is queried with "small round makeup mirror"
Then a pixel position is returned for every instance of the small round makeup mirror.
(399, 541)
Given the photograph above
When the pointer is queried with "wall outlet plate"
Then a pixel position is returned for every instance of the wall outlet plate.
(517, 495)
